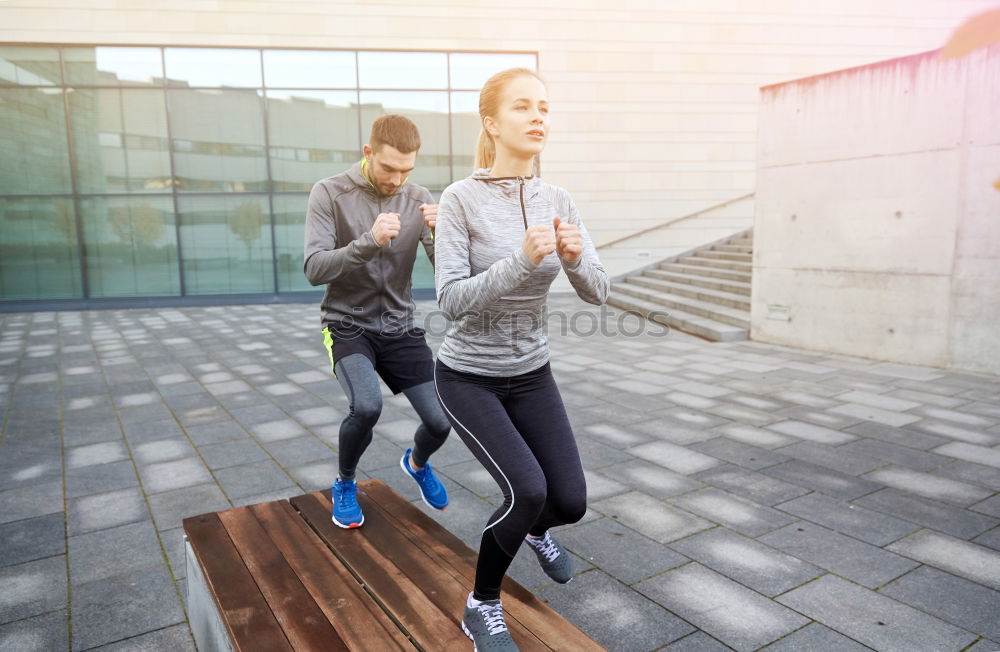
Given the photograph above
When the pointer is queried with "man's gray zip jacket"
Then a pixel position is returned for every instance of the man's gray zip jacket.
(367, 286)
(492, 294)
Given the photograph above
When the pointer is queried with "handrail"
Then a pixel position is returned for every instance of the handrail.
(674, 221)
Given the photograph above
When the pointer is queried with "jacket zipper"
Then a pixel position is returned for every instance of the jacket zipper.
(524, 214)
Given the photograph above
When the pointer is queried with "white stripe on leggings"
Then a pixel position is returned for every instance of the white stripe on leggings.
(438, 392)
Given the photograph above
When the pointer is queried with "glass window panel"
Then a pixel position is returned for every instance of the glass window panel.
(313, 135)
(27, 66)
(226, 244)
(39, 250)
(310, 69)
(212, 67)
(106, 66)
(35, 155)
(131, 246)
(403, 69)
(465, 126)
(429, 111)
(472, 70)
(120, 140)
(218, 140)
(289, 234)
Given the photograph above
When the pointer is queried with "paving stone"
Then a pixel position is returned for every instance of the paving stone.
(176, 639)
(815, 637)
(870, 526)
(895, 453)
(962, 558)
(31, 500)
(615, 436)
(691, 419)
(818, 417)
(990, 506)
(883, 401)
(860, 562)
(743, 414)
(990, 539)
(902, 436)
(740, 514)
(939, 516)
(32, 538)
(831, 457)
(668, 429)
(929, 486)
(750, 563)
(970, 472)
(752, 485)
(732, 613)
(600, 487)
(822, 479)
(956, 416)
(650, 478)
(100, 478)
(812, 432)
(755, 436)
(614, 615)
(101, 453)
(647, 515)
(38, 634)
(171, 507)
(971, 453)
(674, 457)
(124, 606)
(32, 588)
(320, 416)
(301, 450)
(874, 619)
(214, 433)
(616, 550)
(165, 476)
(698, 642)
(594, 454)
(950, 598)
(250, 479)
(276, 430)
(950, 431)
(104, 553)
(739, 453)
(162, 450)
(102, 511)
(984, 645)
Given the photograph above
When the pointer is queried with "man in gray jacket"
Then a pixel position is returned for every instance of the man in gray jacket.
(362, 230)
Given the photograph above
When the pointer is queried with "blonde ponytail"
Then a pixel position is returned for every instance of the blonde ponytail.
(486, 151)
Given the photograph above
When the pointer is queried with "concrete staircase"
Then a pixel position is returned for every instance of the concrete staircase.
(705, 292)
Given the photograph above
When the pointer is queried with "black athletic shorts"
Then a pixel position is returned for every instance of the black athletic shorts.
(402, 360)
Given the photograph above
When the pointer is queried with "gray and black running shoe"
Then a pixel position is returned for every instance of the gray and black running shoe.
(554, 559)
(485, 625)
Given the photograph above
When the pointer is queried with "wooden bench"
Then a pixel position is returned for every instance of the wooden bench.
(282, 576)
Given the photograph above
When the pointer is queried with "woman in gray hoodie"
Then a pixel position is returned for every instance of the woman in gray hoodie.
(502, 237)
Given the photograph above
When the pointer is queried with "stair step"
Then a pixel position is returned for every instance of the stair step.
(736, 249)
(726, 315)
(717, 263)
(697, 280)
(678, 319)
(725, 255)
(708, 272)
(686, 288)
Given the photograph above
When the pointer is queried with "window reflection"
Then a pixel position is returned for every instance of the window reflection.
(471, 70)
(35, 155)
(289, 233)
(120, 140)
(212, 67)
(465, 126)
(403, 69)
(131, 246)
(102, 66)
(218, 141)
(312, 135)
(27, 66)
(39, 254)
(427, 110)
(310, 69)
(226, 244)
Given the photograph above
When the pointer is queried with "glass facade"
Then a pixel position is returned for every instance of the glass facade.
(165, 172)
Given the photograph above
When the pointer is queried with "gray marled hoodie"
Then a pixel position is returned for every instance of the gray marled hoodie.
(488, 288)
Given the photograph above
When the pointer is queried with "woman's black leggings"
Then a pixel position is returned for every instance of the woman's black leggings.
(518, 430)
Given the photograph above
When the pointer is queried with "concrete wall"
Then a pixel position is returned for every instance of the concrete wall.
(654, 101)
(878, 219)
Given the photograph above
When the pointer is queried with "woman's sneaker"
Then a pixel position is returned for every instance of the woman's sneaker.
(553, 558)
(483, 622)
(431, 489)
(346, 511)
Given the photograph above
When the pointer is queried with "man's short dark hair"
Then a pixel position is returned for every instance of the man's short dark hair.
(397, 131)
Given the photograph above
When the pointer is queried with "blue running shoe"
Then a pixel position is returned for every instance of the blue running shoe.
(431, 489)
(346, 511)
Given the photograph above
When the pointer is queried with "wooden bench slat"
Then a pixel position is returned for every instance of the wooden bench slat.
(303, 622)
(360, 621)
(521, 604)
(397, 594)
(245, 612)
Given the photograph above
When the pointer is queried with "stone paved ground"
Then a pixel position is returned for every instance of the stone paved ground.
(741, 495)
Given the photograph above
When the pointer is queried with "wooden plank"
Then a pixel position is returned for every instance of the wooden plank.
(521, 604)
(244, 610)
(429, 626)
(358, 619)
(303, 622)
